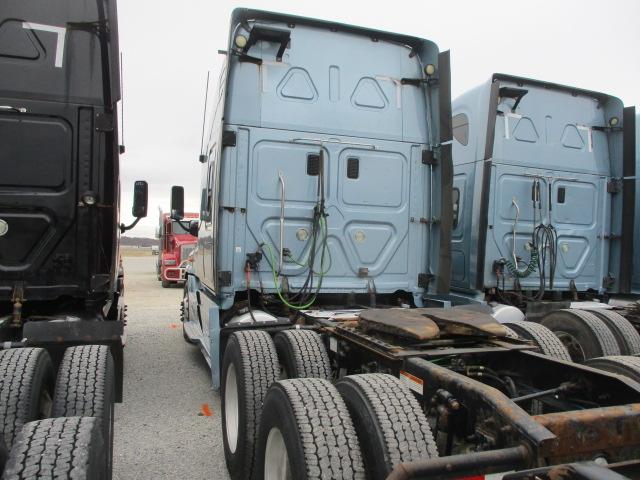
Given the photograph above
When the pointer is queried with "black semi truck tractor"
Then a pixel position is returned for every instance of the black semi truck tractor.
(62, 312)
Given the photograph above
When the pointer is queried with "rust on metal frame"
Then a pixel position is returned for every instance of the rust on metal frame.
(614, 431)
(481, 395)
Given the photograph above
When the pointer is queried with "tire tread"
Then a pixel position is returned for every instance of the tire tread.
(68, 447)
(310, 357)
(607, 341)
(627, 336)
(82, 382)
(620, 364)
(18, 369)
(407, 433)
(329, 439)
(260, 369)
(544, 338)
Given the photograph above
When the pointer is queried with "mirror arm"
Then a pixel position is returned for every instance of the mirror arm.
(124, 228)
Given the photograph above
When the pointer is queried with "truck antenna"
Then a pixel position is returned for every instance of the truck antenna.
(204, 118)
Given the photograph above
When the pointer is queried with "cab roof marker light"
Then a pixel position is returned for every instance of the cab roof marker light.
(240, 41)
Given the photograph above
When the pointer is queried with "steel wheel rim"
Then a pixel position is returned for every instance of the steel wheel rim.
(573, 346)
(231, 408)
(276, 459)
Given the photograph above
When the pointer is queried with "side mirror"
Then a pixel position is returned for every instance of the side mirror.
(177, 202)
(194, 226)
(140, 202)
(140, 199)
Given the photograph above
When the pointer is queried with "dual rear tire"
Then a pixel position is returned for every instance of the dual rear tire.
(305, 427)
(591, 334)
(82, 400)
(360, 428)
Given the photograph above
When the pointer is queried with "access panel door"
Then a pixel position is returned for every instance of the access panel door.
(372, 242)
(575, 205)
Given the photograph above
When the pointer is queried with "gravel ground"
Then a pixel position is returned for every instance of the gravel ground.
(161, 430)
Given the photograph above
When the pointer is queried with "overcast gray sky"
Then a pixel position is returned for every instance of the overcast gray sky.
(169, 46)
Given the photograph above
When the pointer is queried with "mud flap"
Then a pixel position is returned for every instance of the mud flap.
(444, 96)
(443, 279)
(446, 220)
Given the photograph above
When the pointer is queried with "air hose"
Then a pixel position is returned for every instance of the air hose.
(512, 266)
(531, 266)
(272, 261)
(543, 243)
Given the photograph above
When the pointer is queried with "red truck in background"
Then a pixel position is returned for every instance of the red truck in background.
(176, 243)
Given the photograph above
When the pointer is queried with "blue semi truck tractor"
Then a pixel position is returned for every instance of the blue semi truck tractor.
(323, 262)
(543, 201)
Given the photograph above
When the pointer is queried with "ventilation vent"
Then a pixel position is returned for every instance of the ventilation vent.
(353, 168)
(561, 194)
(313, 164)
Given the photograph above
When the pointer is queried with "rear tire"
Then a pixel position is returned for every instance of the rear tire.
(389, 421)
(249, 367)
(58, 448)
(626, 335)
(543, 338)
(302, 354)
(165, 284)
(582, 333)
(510, 332)
(620, 364)
(85, 387)
(306, 433)
(26, 389)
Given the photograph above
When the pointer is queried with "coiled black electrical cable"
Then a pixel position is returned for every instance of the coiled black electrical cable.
(546, 241)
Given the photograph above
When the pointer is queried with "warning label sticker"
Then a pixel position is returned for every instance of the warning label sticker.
(414, 383)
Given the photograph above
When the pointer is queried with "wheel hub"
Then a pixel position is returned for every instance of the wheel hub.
(573, 346)
(231, 408)
(276, 459)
